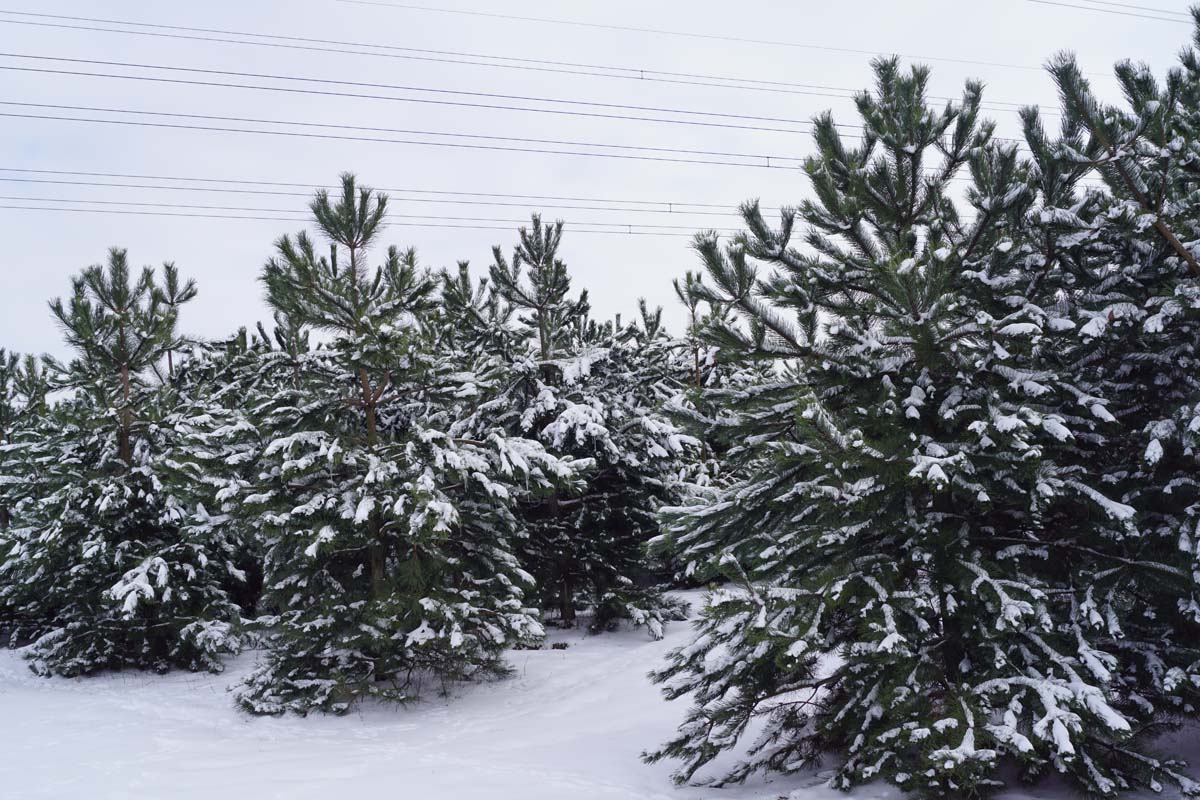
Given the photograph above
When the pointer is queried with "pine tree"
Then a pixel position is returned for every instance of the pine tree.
(704, 387)
(384, 500)
(22, 402)
(900, 591)
(586, 391)
(1132, 285)
(108, 570)
(23, 388)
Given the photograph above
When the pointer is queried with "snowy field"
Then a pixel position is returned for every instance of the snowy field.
(569, 725)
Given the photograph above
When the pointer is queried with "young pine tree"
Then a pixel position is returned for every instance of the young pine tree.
(900, 592)
(106, 570)
(22, 404)
(584, 391)
(387, 524)
(23, 420)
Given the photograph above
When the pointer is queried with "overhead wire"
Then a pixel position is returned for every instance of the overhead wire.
(304, 214)
(609, 149)
(575, 229)
(1137, 7)
(221, 84)
(664, 207)
(1109, 11)
(395, 51)
(423, 100)
(678, 34)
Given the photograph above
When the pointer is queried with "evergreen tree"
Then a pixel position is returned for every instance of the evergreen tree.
(901, 591)
(22, 420)
(22, 403)
(586, 391)
(1132, 285)
(383, 498)
(108, 569)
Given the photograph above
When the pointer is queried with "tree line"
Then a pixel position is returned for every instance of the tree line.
(931, 441)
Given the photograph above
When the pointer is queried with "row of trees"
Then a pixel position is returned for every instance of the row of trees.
(933, 439)
(404, 477)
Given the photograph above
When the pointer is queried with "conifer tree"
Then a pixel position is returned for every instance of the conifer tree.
(1131, 282)
(107, 570)
(383, 499)
(22, 421)
(586, 391)
(22, 402)
(900, 590)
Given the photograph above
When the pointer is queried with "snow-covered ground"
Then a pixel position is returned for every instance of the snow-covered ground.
(569, 725)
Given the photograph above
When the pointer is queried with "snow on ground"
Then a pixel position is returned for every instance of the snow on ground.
(568, 725)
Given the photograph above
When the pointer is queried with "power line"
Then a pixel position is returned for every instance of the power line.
(680, 34)
(327, 93)
(670, 208)
(188, 82)
(667, 206)
(646, 75)
(423, 200)
(220, 84)
(766, 158)
(222, 190)
(408, 88)
(485, 60)
(1136, 7)
(304, 215)
(1109, 11)
(295, 219)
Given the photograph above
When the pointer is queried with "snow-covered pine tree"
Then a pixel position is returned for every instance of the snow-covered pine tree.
(22, 413)
(895, 594)
(217, 447)
(22, 404)
(706, 386)
(587, 391)
(384, 501)
(1129, 278)
(106, 570)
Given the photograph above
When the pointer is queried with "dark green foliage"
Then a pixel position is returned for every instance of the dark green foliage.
(111, 561)
(592, 393)
(922, 527)
(382, 492)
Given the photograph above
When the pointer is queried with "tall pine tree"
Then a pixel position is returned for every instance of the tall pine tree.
(900, 591)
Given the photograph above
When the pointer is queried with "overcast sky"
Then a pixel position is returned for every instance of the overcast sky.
(814, 52)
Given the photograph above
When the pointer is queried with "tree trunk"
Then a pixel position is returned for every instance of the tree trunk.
(566, 603)
(379, 587)
(378, 549)
(124, 447)
(5, 515)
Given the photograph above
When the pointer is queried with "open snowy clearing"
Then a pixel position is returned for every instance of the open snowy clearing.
(568, 725)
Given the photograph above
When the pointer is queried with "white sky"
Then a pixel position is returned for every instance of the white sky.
(42, 249)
